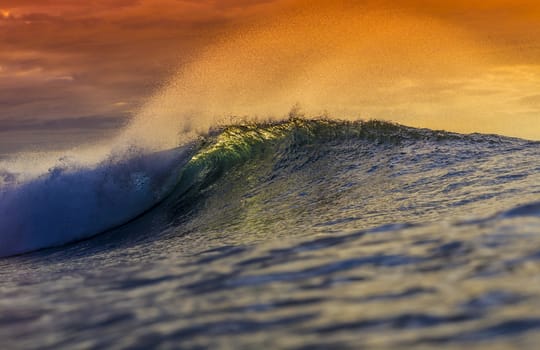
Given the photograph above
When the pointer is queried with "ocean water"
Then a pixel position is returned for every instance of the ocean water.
(298, 234)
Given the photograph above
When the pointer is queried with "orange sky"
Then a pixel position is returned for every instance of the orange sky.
(462, 65)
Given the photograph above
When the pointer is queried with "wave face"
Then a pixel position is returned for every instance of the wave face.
(318, 175)
(283, 234)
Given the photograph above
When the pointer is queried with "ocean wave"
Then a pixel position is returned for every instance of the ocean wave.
(70, 203)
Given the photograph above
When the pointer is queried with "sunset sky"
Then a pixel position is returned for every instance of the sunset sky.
(82, 68)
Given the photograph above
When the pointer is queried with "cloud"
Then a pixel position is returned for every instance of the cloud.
(61, 59)
(532, 100)
(85, 122)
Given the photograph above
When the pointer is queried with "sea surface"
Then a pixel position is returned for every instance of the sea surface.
(300, 234)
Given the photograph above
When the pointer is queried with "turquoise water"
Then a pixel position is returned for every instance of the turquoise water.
(299, 234)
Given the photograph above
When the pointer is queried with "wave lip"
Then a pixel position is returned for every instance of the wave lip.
(70, 204)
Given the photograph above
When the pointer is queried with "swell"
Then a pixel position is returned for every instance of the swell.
(70, 204)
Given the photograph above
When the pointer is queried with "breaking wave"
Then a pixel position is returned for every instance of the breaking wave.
(71, 202)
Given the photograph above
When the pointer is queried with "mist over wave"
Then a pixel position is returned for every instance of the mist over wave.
(255, 73)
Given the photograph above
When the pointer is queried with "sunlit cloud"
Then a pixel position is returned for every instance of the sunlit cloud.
(67, 78)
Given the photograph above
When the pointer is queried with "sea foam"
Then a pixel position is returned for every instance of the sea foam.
(69, 202)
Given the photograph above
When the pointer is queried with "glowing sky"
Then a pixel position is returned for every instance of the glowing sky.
(464, 65)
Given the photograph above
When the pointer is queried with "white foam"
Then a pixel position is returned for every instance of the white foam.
(73, 201)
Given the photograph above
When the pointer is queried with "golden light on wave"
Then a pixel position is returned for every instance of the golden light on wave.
(5, 13)
(351, 61)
